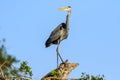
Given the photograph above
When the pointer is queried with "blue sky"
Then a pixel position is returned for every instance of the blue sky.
(93, 42)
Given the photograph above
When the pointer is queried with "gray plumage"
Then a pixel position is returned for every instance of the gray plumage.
(57, 35)
(60, 32)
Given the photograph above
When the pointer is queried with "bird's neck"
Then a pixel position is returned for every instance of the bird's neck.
(67, 20)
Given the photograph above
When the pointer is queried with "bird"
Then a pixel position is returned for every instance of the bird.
(60, 32)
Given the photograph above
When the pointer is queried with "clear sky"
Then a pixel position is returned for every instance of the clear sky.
(93, 42)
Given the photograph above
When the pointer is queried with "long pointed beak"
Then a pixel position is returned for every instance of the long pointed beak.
(62, 8)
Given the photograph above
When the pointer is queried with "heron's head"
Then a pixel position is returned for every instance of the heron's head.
(67, 8)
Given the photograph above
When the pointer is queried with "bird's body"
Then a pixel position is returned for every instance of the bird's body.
(59, 33)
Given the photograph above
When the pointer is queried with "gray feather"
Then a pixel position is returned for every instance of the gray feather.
(57, 34)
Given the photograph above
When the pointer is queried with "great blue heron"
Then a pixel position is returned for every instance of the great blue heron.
(59, 33)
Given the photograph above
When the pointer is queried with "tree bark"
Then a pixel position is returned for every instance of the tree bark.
(2, 78)
(64, 70)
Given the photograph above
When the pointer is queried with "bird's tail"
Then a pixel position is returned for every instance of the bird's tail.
(48, 43)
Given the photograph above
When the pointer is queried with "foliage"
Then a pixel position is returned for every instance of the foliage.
(55, 73)
(8, 71)
(91, 77)
(25, 69)
(6, 61)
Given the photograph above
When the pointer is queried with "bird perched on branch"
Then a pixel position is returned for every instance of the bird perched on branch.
(59, 33)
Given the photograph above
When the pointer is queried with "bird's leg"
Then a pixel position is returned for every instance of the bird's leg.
(60, 57)
(58, 54)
